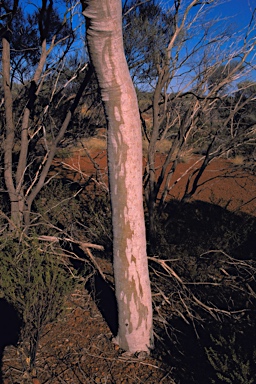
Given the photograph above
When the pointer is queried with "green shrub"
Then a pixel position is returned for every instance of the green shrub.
(231, 362)
(34, 279)
(57, 207)
(84, 215)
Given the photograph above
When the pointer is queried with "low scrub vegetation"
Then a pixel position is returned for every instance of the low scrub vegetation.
(202, 270)
(35, 280)
(202, 258)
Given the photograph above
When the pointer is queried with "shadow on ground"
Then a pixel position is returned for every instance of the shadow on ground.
(104, 297)
(10, 325)
(199, 237)
(203, 226)
(101, 291)
(185, 233)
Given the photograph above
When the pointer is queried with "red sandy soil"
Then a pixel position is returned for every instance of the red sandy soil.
(222, 182)
(77, 348)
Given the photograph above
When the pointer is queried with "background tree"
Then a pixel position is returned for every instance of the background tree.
(191, 86)
(34, 49)
(104, 35)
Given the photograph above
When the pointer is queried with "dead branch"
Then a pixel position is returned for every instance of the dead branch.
(186, 295)
(79, 243)
(85, 247)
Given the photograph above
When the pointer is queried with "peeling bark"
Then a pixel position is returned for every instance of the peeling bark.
(105, 41)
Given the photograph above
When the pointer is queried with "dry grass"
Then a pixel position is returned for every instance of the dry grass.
(238, 160)
(83, 145)
(162, 146)
(186, 155)
(93, 143)
(100, 143)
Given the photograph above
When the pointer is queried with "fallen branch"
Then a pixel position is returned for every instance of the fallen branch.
(184, 287)
(79, 243)
(85, 247)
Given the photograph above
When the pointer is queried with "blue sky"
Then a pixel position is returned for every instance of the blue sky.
(235, 12)
(238, 13)
(233, 15)
(239, 10)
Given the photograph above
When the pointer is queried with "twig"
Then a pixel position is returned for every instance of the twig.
(79, 243)
(88, 252)
(85, 247)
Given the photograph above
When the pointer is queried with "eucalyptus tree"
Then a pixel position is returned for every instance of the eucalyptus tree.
(105, 42)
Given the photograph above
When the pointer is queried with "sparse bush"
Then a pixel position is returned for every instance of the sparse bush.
(83, 212)
(60, 206)
(35, 280)
(98, 219)
(231, 362)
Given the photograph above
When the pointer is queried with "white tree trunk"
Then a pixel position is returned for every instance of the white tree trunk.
(105, 40)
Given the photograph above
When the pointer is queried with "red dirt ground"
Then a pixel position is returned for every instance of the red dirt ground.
(78, 348)
(222, 182)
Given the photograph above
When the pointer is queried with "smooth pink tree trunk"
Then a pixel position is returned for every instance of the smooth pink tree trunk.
(133, 293)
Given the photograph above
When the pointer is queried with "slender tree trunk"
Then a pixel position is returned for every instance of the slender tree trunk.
(9, 134)
(36, 188)
(104, 35)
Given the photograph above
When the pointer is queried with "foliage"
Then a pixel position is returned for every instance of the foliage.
(220, 74)
(192, 75)
(37, 80)
(212, 251)
(59, 206)
(28, 32)
(79, 210)
(35, 280)
(98, 219)
(201, 105)
(147, 30)
(231, 360)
